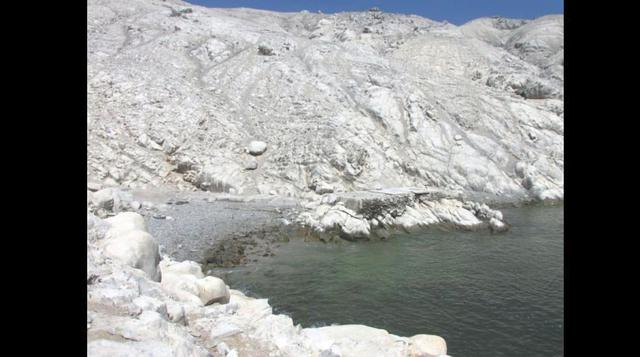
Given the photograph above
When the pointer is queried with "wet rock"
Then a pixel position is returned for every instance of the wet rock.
(497, 226)
(427, 346)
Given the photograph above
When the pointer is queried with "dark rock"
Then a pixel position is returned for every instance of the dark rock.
(265, 51)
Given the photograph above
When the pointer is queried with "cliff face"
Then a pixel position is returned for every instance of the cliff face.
(344, 102)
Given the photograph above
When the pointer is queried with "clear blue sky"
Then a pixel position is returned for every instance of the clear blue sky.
(454, 11)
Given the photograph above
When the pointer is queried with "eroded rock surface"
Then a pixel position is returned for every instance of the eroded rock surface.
(341, 102)
(364, 214)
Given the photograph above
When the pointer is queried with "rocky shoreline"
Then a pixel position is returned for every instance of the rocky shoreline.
(224, 230)
(147, 292)
(142, 302)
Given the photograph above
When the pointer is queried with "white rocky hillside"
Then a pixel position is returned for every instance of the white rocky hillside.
(257, 102)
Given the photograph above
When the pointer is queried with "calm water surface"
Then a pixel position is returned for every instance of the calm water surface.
(487, 295)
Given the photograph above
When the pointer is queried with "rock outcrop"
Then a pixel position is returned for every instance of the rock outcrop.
(378, 213)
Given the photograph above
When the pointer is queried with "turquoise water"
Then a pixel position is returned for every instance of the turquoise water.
(486, 294)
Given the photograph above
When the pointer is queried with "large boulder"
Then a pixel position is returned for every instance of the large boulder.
(125, 222)
(257, 147)
(182, 287)
(427, 346)
(212, 290)
(137, 249)
(128, 242)
(186, 282)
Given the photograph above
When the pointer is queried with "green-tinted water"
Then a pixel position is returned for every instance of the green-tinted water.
(487, 295)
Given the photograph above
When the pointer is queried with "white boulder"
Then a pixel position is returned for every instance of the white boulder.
(136, 249)
(186, 282)
(181, 287)
(427, 346)
(212, 290)
(128, 242)
(125, 222)
(257, 147)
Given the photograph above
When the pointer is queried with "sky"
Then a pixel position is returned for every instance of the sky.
(454, 11)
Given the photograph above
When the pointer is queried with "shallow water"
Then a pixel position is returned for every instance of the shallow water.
(487, 295)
